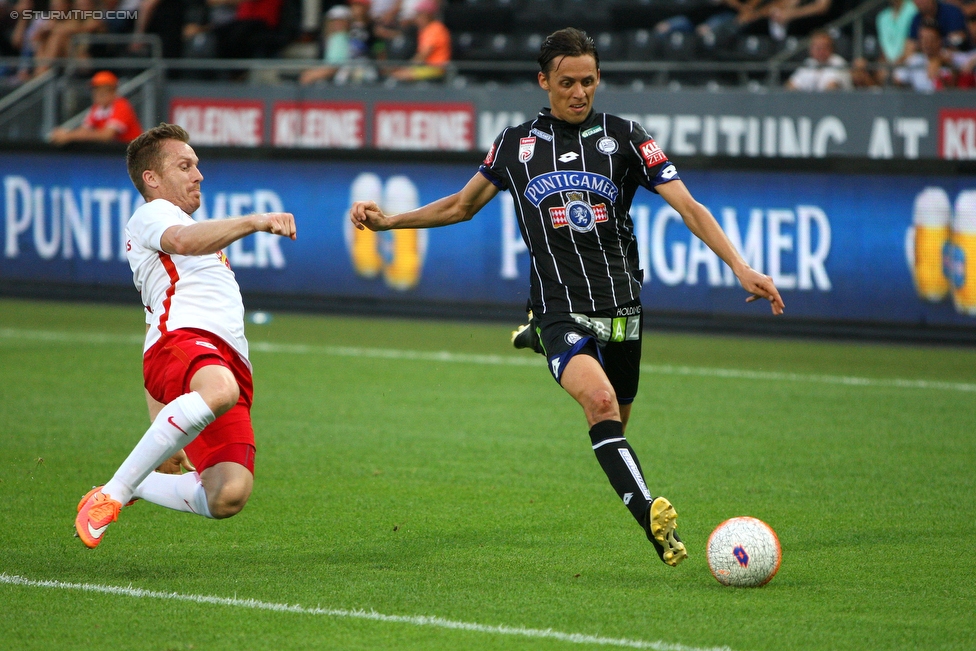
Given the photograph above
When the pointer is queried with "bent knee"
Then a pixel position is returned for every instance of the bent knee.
(229, 501)
(603, 405)
(228, 393)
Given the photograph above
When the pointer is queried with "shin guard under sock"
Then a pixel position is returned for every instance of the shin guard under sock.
(620, 463)
(175, 426)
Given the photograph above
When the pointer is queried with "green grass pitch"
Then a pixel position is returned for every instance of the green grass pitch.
(395, 481)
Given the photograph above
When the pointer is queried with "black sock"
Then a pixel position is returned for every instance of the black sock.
(619, 462)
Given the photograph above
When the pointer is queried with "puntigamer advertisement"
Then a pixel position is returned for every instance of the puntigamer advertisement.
(841, 247)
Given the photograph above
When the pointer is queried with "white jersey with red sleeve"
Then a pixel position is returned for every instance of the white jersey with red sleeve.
(182, 291)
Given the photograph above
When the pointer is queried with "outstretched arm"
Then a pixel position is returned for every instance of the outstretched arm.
(701, 222)
(458, 207)
(211, 236)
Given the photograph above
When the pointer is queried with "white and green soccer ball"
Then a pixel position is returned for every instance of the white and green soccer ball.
(743, 552)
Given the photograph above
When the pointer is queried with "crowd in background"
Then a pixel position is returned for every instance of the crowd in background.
(925, 45)
(355, 38)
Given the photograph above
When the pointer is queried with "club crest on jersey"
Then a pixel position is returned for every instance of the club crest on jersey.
(526, 149)
(652, 154)
(223, 258)
(578, 214)
(607, 145)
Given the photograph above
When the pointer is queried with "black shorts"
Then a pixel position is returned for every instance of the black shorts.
(611, 336)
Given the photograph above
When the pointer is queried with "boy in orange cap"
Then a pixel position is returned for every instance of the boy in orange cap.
(110, 119)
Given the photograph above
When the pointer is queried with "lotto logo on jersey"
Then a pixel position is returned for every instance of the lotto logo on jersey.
(577, 214)
(526, 149)
(653, 155)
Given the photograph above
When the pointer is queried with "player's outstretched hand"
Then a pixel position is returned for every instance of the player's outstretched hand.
(761, 286)
(176, 464)
(366, 214)
(278, 223)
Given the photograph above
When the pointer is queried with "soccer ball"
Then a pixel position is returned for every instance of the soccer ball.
(743, 552)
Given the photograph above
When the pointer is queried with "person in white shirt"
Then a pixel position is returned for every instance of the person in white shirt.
(197, 375)
(823, 70)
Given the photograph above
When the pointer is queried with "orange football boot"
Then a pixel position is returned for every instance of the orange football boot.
(98, 511)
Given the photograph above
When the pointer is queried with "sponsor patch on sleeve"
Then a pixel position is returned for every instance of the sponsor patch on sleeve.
(490, 158)
(652, 154)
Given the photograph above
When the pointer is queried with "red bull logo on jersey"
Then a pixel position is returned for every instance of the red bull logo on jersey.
(577, 214)
(223, 259)
(551, 183)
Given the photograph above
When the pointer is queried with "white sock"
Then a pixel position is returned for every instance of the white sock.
(177, 424)
(177, 492)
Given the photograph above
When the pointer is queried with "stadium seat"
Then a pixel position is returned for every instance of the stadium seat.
(478, 17)
(754, 48)
(528, 45)
(501, 47)
(641, 45)
(678, 46)
(593, 17)
(538, 16)
(610, 45)
(465, 45)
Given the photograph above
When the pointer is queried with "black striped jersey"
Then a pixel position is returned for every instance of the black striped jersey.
(573, 185)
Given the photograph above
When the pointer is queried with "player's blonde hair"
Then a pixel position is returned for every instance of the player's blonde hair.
(146, 151)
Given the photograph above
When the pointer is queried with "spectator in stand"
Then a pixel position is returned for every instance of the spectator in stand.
(335, 45)
(779, 17)
(729, 18)
(22, 39)
(433, 46)
(892, 25)
(120, 22)
(968, 8)
(823, 70)
(383, 15)
(163, 18)
(8, 25)
(246, 37)
(948, 19)
(110, 119)
(784, 14)
(53, 39)
(346, 46)
(934, 67)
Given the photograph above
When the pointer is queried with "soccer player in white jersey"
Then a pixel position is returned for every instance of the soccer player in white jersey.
(197, 375)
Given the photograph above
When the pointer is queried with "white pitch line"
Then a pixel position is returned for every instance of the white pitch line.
(508, 360)
(415, 620)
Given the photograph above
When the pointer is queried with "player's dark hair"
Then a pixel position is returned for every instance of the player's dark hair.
(146, 151)
(568, 42)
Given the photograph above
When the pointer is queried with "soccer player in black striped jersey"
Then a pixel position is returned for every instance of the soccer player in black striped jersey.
(573, 174)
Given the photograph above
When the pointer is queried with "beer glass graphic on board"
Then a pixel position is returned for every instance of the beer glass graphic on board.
(397, 255)
(407, 246)
(961, 263)
(364, 247)
(931, 216)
